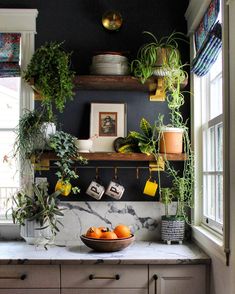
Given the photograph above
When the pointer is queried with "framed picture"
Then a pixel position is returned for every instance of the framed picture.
(107, 122)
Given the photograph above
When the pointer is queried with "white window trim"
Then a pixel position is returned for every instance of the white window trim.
(202, 235)
(20, 21)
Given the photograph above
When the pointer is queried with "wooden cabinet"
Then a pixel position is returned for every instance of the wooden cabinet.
(103, 279)
(177, 279)
(126, 279)
(39, 279)
(29, 291)
(104, 291)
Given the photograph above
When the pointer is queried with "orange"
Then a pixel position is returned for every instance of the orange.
(93, 232)
(122, 231)
(108, 235)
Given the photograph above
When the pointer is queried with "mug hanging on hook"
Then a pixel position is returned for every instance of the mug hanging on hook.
(151, 186)
(95, 189)
(115, 189)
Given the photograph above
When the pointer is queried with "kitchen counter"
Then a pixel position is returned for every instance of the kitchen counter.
(141, 252)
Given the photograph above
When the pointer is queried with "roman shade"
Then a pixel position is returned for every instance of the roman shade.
(208, 40)
(9, 55)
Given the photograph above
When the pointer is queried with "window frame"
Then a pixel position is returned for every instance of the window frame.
(208, 239)
(25, 24)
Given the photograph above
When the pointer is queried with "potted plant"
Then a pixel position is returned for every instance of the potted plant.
(157, 57)
(37, 212)
(49, 72)
(66, 150)
(33, 133)
(144, 141)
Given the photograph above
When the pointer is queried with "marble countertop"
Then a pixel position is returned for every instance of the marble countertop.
(140, 252)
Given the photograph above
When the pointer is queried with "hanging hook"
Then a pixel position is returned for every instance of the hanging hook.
(96, 173)
(137, 173)
(115, 173)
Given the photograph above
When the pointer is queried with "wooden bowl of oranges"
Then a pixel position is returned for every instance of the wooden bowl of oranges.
(104, 240)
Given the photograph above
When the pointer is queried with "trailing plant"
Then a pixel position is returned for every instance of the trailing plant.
(66, 150)
(49, 70)
(37, 204)
(31, 133)
(166, 199)
(162, 52)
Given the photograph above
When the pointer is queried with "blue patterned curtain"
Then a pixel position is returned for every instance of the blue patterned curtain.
(9, 55)
(208, 40)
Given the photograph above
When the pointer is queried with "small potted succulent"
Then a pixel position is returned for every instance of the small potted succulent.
(66, 150)
(37, 212)
(49, 74)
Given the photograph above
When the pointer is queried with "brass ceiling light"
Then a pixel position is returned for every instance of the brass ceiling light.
(112, 20)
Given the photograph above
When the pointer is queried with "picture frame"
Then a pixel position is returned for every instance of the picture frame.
(107, 122)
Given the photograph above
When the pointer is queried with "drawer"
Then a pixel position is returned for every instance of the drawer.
(29, 291)
(104, 276)
(104, 291)
(29, 276)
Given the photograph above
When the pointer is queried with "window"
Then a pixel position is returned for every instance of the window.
(9, 118)
(15, 96)
(212, 146)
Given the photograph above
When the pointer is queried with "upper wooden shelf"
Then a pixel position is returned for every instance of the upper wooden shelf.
(113, 156)
(127, 83)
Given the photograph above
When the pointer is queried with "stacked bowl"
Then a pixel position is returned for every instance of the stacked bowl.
(109, 63)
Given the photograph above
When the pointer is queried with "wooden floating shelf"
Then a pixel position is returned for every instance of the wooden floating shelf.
(125, 83)
(113, 156)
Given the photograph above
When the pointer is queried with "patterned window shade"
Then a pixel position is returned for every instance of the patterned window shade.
(208, 40)
(9, 55)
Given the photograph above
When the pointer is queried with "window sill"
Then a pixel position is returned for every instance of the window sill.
(205, 238)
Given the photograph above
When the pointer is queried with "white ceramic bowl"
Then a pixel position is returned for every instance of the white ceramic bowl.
(84, 145)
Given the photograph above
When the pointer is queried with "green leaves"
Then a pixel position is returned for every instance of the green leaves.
(37, 205)
(146, 128)
(65, 148)
(49, 68)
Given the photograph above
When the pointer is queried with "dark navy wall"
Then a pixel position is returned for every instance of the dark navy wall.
(78, 23)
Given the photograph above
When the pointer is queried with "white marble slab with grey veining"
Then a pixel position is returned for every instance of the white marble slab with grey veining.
(144, 218)
(140, 252)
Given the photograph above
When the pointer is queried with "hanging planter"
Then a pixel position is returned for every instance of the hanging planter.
(171, 140)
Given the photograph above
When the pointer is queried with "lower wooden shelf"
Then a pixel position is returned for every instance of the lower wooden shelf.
(113, 156)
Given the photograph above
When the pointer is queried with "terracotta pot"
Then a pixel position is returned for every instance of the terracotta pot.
(171, 140)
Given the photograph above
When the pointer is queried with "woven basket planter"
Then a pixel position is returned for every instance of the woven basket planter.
(172, 230)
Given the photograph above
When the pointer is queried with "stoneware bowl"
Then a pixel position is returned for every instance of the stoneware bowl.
(107, 245)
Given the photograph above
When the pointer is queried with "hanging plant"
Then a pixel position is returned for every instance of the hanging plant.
(51, 76)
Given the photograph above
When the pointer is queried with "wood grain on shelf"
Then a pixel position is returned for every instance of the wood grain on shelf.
(92, 82)
(113, 156)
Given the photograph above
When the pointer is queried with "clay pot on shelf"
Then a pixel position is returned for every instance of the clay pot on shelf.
(171, 140)
(172, 230)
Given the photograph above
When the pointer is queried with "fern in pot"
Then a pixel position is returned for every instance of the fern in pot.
(38, 213)
(49, 71)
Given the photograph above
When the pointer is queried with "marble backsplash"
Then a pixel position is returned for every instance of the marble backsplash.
(143, 218)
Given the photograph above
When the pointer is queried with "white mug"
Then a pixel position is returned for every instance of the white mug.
(115, 190)
(95, 190)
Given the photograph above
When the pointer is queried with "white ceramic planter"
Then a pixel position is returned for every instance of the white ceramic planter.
(47, 130)
(30, 233)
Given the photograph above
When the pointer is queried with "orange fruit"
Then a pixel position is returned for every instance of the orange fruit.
(108, 235)
(93, 232)
(122, 231)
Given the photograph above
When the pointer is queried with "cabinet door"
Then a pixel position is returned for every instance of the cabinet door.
(177, 279)
(29, 291)
(104, 291)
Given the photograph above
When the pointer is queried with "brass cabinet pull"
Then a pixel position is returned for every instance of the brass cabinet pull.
(155, 277)
(21, 277)
(93, 277)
